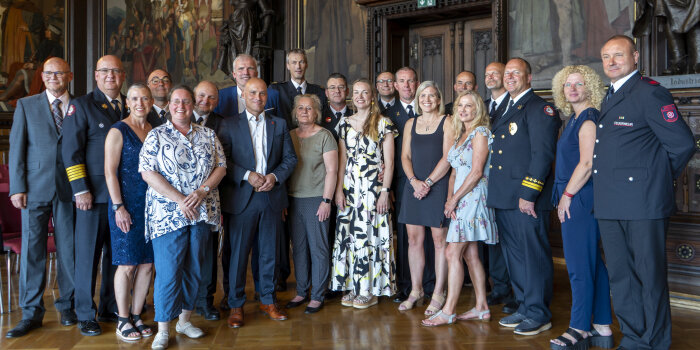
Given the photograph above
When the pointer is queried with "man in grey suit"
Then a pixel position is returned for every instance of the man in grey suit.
(39, 187)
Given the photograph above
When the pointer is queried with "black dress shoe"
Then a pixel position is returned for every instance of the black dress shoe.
(110, 317)
(313, 310)
(510, 307)
(293, 304)
(22, 328)
(89, 328)
(333, 294)
(209, 312)
(400, 297)
(224, 303)
(68, 317)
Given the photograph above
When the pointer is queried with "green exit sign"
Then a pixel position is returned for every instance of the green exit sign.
(425, 3)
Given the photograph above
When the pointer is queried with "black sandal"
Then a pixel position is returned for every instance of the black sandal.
(601, 341)
(124, 334)
(580, 344)
(142, 328)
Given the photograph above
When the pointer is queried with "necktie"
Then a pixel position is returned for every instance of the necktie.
(510, 105)
(162, 114)
(200, 120)
(611, 91)
(388, 105)
(299, 89)
(115, 103)
(493, 113)
(338, 115)
(410, 111)
(57, 114)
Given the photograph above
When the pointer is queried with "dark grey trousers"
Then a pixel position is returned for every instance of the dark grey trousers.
(310, 249)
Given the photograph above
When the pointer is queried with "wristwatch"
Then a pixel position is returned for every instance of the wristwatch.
(205, 188)
(326, 200)
(116, 207)
(385, 189)
(429, 182)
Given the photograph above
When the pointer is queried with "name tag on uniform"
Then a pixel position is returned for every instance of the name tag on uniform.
(627, 124)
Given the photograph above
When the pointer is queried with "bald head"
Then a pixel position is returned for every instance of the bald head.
(493, 77)
(255, 96)
(110, 75)
(159, 82)
(206, 97)
(56, 76)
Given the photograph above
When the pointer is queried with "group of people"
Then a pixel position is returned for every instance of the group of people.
(158, 173)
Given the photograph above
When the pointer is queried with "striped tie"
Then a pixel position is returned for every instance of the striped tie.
(57, 114)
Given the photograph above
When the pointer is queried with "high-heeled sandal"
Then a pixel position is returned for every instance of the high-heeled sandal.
(414, 298)
(433, 308)
(449, 318)
(475, 314)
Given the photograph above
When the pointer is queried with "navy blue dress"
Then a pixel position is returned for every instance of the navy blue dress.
(130, 248)
(590, 289)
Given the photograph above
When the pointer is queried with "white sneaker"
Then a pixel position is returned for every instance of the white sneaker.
(189, 330)
(160, 341)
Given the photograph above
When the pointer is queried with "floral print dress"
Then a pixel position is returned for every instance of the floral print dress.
(363, 251)
(475, 222)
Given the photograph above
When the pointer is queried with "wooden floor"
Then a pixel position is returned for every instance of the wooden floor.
(335, 327)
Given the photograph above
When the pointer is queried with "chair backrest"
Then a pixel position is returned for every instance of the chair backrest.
(4, 174)
(10, 217)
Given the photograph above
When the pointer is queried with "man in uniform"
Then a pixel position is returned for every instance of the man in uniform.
(520, 187)
(385, 88)
(465, 81)
(337, 93)
(159, 82)
(206, 97)
(642, 145)
(406, 84)
(231, 100)
(87, 122)
(39, 187)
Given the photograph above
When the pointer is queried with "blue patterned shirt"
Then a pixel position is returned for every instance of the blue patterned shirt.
(185, 161)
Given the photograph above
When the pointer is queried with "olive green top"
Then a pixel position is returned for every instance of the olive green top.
(310, 173)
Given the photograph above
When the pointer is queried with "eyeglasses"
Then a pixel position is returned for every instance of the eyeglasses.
(578, 85)
(382, 81)
(339, 87)
(157, 81)
(105, 71)
(55, 74)
(184, 102)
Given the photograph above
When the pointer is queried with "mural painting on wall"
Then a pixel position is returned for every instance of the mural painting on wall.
(180, 36)
(31, 31)
(334, 39)
(551, 34)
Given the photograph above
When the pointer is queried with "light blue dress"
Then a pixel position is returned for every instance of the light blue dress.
(475, 222)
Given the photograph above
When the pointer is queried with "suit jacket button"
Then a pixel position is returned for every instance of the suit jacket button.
(596, 140)
(503, 136)
(500, 151)
(600, 126)
(631, 178)
(500, 167)
(490, 166)
(595, 171)
(594, 156)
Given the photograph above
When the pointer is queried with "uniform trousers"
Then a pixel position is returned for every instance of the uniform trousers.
(529, 257)
(32, 273)
(177, 257)
(310, 249)
(498, 269)
(635, 252)
(92, 240)
(207, 284)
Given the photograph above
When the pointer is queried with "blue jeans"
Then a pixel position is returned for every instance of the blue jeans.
(178, 256)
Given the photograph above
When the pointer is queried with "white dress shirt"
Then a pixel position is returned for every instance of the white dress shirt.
(258, 134)
(65, 100)
(303, 86)
(499, 100)
(197, 116)
(515, 99)
(618, 84)
(241, 101)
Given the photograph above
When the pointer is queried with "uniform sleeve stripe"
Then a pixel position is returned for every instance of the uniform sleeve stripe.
(76, 172)
(534, 186)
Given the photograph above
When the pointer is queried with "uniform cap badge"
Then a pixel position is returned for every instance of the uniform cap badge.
(512, 128)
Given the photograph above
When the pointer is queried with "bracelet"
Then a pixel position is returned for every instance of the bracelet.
(568, 194)
(326, 200)
(385, 189)
(411, 179)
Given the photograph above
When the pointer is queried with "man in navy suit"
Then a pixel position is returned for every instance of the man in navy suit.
(406, 84)
(260, 157)
(231, 100)
(337, 108)
(39, 187)
(87, 122)
(386, 91)
(159, 82)
(520, 188)
(642, 144)
(206, 97)
(465, 81)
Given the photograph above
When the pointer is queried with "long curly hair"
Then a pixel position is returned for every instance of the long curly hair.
(481, 118)
(371, 127)
(593, 87)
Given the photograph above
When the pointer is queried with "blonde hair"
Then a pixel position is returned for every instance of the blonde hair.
(481, 118)
(371, 127)
(315, 104)
(424, 85)
(593, 87)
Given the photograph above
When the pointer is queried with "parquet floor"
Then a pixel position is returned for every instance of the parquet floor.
(335, 327)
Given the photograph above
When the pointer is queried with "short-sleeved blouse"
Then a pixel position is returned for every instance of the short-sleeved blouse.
(309, 175)
(185, 161)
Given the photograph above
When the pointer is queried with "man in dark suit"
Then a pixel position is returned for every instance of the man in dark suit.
(206, 98)
(288, 90)
(259, 158)
(465, 81)
(406, 84)
(520, 187)
(231, 100)
(159, 82)
(497, 268)
(385, 88)
(337, 93)
(87, 122)
(642, 145)
(39, 187)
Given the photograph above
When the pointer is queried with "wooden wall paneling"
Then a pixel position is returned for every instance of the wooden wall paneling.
(479, 49)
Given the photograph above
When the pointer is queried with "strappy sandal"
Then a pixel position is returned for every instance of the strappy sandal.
(145, 330)
(348, 299)
(475, 314)
(363, 302)
(580, 344)
(450, 319)
(433, 308)
(601, 341)
(414, 298)
(125, 334)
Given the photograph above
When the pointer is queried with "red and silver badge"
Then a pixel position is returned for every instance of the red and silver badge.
(548, 110)
(669, 113)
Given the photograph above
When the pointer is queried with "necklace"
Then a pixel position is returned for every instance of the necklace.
(429, 124)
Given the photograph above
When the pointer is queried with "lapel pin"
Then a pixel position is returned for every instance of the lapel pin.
(101, 125)
(104, 106)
